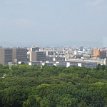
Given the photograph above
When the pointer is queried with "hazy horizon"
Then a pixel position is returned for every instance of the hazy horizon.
(53, 23)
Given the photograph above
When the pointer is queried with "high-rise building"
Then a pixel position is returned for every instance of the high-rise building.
(19, 55)
(36, 55)
(31, 54)
(5, 55)
(40, 56)
(13, 55)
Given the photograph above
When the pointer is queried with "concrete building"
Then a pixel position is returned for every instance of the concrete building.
(36, 55)
(5, 55)
(13, 55)
(96, 53)
(19, 55)
(103, 54)
(31, 54)
(40, 56)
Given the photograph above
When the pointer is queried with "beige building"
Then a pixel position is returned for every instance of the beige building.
(96, 53)
(36, 55)
(32, 56)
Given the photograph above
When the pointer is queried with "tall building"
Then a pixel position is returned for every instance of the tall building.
(40, 56)
(19, 55)
(36, 55)
(5, 55)
(31, 54)
(13, 55)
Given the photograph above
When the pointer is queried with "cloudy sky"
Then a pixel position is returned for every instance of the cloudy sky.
(53, 22)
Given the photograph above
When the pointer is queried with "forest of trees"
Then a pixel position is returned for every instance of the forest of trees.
(34, 86)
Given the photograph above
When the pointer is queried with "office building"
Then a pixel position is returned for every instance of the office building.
(36, 55)
(13, 55)
(19, 55)
(40, 56)
(5, 55)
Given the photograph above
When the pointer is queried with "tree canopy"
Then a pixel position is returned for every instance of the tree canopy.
(50, 86)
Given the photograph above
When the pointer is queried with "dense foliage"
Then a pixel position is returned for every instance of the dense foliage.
(34, 86)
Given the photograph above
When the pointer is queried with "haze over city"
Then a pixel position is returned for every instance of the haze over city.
(53, 23)
(53, 53)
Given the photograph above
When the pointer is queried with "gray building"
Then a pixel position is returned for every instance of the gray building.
(13, 55)
(19, 55)
(5, 55)
(40, 56)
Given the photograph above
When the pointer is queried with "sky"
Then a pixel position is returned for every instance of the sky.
(53, 22)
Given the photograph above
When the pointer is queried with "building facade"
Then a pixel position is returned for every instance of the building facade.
(19, 55)
(13, 55)
(5, 55)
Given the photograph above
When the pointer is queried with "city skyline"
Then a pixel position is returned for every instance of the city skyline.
(53, 23)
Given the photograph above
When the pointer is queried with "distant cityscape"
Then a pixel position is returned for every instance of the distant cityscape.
(65, 57)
